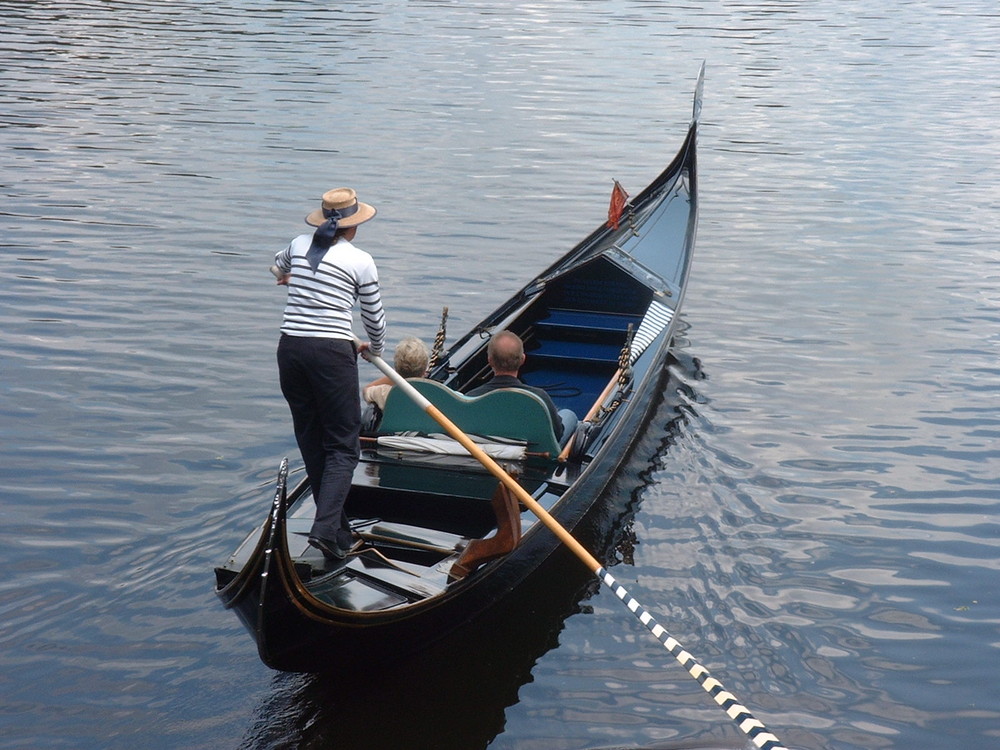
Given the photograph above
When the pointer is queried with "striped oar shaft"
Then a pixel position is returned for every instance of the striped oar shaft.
(739, 713)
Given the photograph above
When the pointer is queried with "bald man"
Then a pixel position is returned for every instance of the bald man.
(505, 354)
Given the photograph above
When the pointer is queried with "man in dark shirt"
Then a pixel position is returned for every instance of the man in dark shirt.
(505, 354)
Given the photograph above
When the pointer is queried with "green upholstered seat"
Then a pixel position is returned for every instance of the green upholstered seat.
(508, 413)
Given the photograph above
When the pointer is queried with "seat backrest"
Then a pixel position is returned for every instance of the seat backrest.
(509, 413)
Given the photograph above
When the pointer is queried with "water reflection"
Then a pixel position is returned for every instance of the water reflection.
(452, 695)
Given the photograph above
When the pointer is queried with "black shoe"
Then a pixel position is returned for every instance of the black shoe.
(330, 550)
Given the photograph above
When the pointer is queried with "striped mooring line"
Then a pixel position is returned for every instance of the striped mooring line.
(739, 713)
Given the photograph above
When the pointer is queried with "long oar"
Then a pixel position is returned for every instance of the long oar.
(756, 731)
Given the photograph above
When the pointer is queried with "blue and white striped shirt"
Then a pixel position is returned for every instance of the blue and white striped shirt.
(321, 304)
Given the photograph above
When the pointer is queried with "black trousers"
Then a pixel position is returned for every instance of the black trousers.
(319, 379)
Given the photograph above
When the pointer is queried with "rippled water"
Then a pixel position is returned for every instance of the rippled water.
(815, 519)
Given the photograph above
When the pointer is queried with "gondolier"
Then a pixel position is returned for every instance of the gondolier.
(326, 277)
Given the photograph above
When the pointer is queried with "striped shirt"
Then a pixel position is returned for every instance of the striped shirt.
(321, 304)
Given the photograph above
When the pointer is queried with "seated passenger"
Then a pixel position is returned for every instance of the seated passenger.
(410, 360)
(505, 354)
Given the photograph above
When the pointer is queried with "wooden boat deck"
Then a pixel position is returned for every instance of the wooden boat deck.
(410, 535)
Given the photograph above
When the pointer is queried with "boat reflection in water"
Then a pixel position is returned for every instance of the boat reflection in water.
(452, 695)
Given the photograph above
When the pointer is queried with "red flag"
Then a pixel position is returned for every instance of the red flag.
(618, 200)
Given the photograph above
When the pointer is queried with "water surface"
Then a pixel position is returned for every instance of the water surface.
(813, 516)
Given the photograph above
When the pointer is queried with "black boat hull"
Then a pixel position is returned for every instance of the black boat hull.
(305, 619)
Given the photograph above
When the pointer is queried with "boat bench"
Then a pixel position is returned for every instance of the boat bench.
(587, 320)
(582, 336)
(510, 413)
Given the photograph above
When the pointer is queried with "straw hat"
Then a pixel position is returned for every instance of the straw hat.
(345, 200)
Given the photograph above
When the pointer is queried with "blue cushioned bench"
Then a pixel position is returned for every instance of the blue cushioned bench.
(581, 320)
(580, 351)
(582, 336)
(508, 413)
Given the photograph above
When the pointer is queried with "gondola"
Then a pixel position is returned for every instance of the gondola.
(439, 541)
